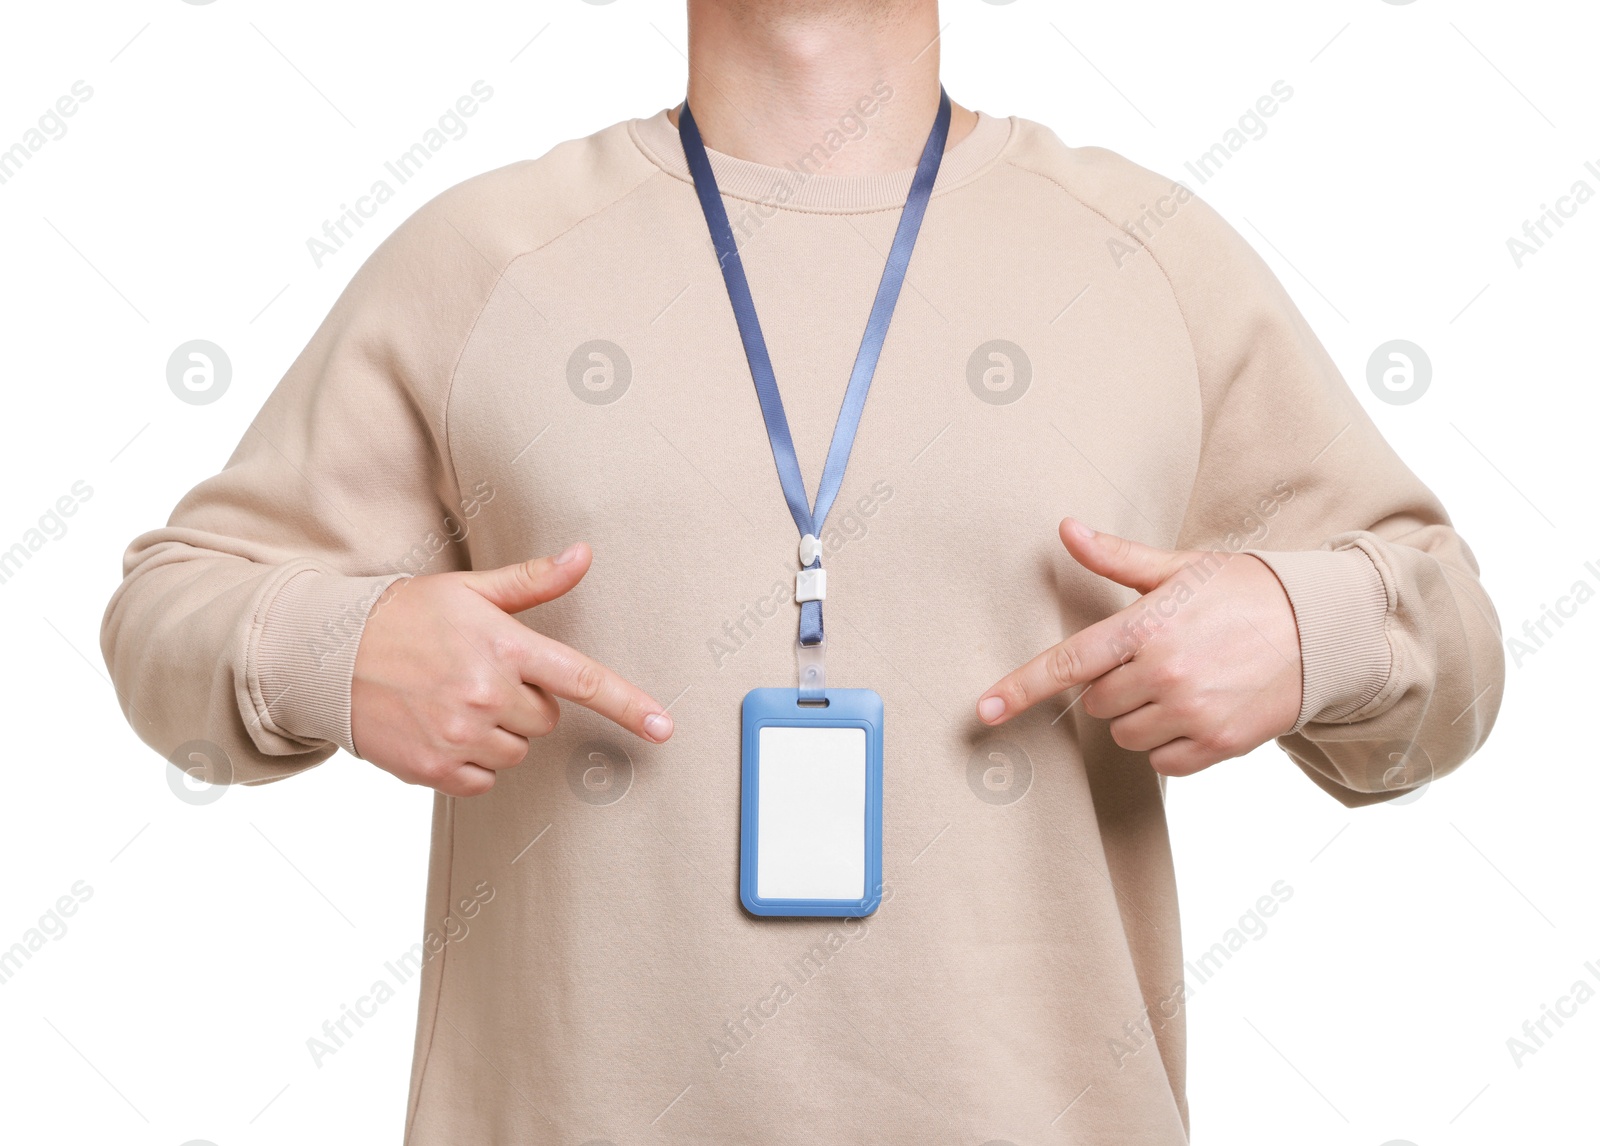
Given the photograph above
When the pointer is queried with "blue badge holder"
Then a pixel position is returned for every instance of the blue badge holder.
(781, 708)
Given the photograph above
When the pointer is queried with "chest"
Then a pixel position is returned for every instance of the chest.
(605, 396)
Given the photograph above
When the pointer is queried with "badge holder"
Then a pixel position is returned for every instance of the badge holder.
(811, 799)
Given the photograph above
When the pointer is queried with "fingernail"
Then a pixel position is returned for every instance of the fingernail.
(565, 555)
(658, 725)
(1081, 531)
(991, 708)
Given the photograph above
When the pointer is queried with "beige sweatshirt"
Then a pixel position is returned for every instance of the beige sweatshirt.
(546, 353)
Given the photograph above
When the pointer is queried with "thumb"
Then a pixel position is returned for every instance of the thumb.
(514, 588)
(1126, 562)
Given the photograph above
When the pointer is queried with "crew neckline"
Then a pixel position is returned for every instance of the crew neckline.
(793, 189)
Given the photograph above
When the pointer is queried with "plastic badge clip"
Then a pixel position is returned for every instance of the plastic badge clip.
(813, 676)
(811, 585)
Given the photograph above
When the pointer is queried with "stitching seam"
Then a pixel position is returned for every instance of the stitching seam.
(494, 289)
(444, 964)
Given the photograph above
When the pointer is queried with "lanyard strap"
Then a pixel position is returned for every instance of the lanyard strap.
(806, 519)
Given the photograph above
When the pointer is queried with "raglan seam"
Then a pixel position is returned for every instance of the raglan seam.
(489, 296)
(1385, 695)
(286, 572)
(1166, 276)
(1177, 303)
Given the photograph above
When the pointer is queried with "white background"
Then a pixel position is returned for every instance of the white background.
(220, 136)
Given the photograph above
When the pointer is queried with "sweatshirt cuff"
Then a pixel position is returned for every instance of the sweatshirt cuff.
(1341, 608)
(305, 654)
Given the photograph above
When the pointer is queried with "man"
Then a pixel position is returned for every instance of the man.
(544, 360)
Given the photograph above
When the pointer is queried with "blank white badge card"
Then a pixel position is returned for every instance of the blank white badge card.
(811, 814)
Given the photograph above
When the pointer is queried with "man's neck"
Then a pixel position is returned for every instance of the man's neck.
(769, 80)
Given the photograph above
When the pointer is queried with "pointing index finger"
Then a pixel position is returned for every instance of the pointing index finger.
(1080, 659)
(573, 676)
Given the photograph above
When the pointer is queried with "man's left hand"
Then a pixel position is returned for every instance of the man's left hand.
(1203, 667)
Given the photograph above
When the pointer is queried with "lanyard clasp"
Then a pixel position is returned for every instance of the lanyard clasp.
(813, 676)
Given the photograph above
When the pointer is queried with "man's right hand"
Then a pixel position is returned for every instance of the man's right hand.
(449, 687)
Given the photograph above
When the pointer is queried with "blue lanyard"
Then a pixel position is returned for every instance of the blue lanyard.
(808, 520)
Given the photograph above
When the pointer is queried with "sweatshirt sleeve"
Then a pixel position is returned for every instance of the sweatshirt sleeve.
(238, 623)
(1399, 644)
